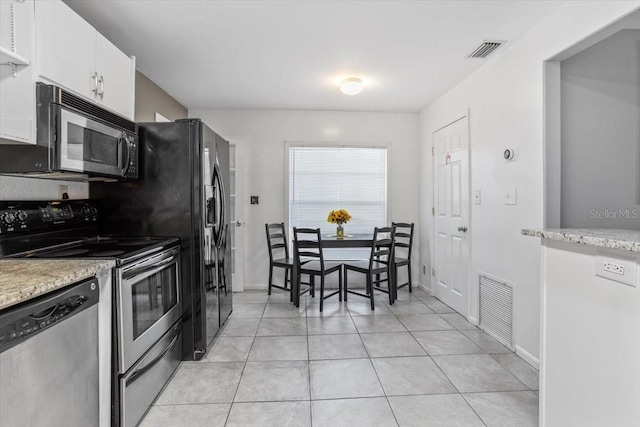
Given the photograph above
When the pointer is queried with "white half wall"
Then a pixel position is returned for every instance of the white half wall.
(264, 133)
(505, 102)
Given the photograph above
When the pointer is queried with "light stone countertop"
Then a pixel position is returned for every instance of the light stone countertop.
(626, 240)
(21, 280)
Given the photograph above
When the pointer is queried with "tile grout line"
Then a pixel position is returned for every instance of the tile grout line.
(306, 316)
(244, 366)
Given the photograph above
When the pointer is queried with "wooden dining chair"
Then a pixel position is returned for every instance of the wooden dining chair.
(402, 252)
(377, 269)
(279, 256)
(310, 260)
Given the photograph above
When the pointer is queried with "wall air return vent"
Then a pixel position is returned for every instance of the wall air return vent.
(485, 49)
(496, 309)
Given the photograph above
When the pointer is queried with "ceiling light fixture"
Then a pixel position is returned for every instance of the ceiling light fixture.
(351, 86)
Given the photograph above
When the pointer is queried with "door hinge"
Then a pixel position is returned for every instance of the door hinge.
(433, 211)
(433, 151)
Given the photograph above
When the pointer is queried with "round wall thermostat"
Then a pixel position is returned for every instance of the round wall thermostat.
(509, 154)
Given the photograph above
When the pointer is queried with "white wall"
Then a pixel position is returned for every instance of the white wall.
(505, 100)
(264, 133)
(18, 188)
(600, 136)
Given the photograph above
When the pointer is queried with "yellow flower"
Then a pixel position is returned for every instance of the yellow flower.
(339, 216)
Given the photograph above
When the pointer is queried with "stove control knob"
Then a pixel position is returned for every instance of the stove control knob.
(9, 218)
(22, 216)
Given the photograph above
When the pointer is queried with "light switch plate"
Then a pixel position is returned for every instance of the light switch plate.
(511, 197)
(476, 197)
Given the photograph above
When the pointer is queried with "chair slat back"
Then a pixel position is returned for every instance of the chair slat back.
(403, 239)
(308, 245)
(383, 245)
(276, 241)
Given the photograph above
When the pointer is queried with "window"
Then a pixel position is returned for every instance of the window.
(325, 178)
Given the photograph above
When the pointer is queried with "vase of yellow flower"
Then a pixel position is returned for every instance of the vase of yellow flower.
(339, 217)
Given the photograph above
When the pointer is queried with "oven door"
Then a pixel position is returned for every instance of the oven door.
(148, 304)
(86, 145)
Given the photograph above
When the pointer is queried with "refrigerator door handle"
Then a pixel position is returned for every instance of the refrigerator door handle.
(218, 184)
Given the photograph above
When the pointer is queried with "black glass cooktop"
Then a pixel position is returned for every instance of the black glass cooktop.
(119, 248)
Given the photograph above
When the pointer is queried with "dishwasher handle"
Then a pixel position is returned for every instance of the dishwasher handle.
(23, 321)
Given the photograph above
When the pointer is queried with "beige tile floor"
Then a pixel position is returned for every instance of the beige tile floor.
(415, 363)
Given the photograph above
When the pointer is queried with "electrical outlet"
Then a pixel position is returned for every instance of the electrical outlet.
(254, 200)
(613, 267)
(616, 268)
(63, 192)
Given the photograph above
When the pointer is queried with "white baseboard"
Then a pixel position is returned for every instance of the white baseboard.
(425, 288)
(527, 357)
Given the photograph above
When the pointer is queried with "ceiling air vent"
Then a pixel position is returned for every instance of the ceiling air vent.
(485, 49)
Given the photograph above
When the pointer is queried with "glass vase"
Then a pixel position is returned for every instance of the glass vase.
(340, 231)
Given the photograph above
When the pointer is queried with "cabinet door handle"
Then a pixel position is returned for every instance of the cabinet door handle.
(94, 77)
(101, 87)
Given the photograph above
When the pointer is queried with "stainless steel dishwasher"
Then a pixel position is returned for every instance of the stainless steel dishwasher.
(49, 359)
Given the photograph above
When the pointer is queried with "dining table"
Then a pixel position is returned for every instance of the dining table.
(331, 241)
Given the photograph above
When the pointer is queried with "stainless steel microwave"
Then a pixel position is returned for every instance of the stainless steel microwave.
(76, 140)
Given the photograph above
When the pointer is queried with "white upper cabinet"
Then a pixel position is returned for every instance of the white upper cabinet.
(116, 74)
(72, 54)
(17, 52)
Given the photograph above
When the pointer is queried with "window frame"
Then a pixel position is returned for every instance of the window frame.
(287, 174)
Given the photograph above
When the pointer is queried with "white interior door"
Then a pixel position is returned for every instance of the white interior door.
(237, 224)
(451, 214)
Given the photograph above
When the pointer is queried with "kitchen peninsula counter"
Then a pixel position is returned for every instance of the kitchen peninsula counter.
(626, 240)
(21, 280)
(590, 329)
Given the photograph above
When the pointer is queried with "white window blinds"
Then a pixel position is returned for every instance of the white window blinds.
(322, 179)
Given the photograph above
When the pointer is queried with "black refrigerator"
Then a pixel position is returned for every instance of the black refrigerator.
(182, 191)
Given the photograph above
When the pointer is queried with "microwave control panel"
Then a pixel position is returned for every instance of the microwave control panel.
(131, 170)
(16, 217)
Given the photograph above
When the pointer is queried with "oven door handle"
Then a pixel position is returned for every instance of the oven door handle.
(158, 266)
(138, 373)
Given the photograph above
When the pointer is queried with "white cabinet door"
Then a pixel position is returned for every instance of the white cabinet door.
(17, 96)
(115, 74)
(66, 46)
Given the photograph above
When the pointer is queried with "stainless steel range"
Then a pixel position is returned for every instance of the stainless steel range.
(147, 342)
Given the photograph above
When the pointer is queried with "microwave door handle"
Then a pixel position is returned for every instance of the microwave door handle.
(126, 147)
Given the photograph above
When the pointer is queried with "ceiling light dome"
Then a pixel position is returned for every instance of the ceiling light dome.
(351, 86)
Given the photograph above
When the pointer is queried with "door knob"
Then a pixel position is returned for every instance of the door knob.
(462, 229)
(239, 223)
